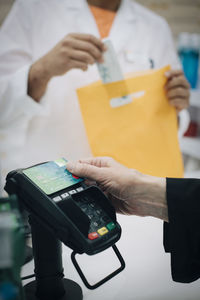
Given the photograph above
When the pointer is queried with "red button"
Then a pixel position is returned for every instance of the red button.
(93, 235)
(76, 177)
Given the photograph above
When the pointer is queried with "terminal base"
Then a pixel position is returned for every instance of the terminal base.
(49, 283)
(72, 291)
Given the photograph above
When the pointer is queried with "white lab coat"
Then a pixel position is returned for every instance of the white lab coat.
(32, 132)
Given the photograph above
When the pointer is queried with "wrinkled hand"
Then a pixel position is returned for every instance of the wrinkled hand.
(177, 89)
(113, 178)
(130, 191)
(75, 51)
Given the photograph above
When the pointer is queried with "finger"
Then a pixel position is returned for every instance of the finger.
(84, 170)
(176, 82)
(178, 93)
(90, 182)
(89, 38)
(87, 47)
(75, 64)
(179, 103)
(101, 161)
(172, 73)
(81, 56)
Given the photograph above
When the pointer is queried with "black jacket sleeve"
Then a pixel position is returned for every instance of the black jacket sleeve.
(182, 233)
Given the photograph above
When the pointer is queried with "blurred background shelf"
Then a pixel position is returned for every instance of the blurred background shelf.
(192, 174)
(191, 146)
(195, 98)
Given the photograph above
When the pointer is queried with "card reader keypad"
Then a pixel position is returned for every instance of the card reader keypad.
(100, 222)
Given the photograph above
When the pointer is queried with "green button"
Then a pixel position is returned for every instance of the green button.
(5, 207)
(111, 226)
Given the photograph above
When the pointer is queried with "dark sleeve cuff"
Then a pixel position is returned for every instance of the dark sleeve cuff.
(182, 233)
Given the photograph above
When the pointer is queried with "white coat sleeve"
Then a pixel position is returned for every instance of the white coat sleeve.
(15, 61)
(164, 47)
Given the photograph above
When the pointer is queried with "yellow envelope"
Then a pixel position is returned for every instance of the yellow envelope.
(141, 134)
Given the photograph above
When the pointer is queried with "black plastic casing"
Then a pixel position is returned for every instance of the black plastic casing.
(64, 219)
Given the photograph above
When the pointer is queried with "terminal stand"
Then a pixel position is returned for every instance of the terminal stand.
(50, 283)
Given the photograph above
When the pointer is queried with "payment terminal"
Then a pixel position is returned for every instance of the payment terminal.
(80, 216)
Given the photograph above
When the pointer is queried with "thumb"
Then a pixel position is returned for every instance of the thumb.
(84, 170)
(171, 73)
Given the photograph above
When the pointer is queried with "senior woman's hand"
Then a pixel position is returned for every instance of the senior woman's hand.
(130, 191)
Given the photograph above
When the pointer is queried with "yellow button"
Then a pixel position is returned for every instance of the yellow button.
(102, 230)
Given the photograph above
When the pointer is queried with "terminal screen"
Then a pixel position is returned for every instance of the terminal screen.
(52, 176)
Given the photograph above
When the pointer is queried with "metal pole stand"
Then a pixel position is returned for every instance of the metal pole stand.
(50, 283)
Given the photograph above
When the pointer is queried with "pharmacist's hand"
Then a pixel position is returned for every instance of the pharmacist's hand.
(131, 192)
(75, 51)
(177, 89)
